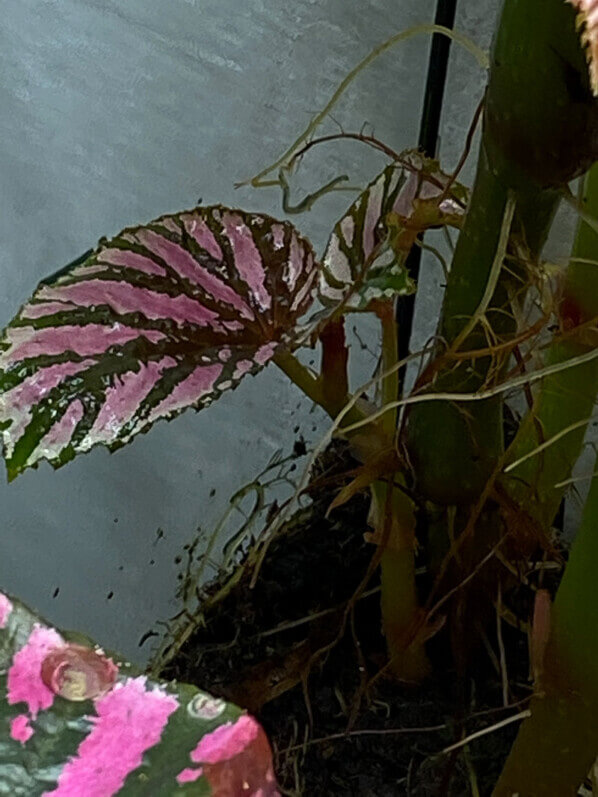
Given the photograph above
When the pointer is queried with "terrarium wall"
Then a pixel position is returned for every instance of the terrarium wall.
(113, 113)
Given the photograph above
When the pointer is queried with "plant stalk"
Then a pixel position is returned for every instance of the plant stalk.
(557, 745)
(540, 131)
(392, 515)
(393, 519)
(565, 400)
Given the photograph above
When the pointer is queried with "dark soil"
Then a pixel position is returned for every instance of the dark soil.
(333, 731)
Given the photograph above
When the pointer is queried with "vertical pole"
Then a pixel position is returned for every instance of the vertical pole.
(428, 143)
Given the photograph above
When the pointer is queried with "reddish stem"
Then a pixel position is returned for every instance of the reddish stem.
(335, 356)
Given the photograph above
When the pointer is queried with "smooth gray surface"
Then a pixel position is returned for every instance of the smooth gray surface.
(112, 113)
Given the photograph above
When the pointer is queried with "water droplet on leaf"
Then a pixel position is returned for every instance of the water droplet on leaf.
(77, 673)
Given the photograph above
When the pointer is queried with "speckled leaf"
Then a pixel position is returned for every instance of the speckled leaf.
(75, 722)
(160, 318)
(365, 256)
(587, 22)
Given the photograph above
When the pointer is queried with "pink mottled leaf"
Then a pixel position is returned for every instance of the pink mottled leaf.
(160, 318)
(366, 253)
(587, 23)
(76, 722)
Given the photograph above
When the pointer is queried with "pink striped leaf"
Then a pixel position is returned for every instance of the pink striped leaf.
(160, 318)
(366, 253)
(78, 722)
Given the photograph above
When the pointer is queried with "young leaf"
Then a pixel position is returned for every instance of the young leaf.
(366, 253)
(160, 318)
(75, 722)
(587, 23)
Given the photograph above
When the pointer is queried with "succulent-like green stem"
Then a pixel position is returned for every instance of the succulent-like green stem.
(312, 386)
(565, 400)
(540, 130)
(557, 745)
(393, 518)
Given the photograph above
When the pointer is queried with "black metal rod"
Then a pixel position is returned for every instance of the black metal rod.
(436, 78)
(428, 143)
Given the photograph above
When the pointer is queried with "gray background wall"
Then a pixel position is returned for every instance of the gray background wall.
(112, 113)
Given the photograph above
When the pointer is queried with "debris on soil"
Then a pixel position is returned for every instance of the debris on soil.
(289, 651)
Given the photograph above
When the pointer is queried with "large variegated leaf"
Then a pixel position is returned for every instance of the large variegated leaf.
(365, 256)
(75, 722)
(160, 318)
(587, 22)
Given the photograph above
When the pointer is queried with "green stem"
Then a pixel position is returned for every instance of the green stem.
(561, 737)
(435, 430)
(393, 519)
(305, 379)
(390, 357)
(557, 745)
(566, 399)
(539, 132)
(366, 444)
(394, 523)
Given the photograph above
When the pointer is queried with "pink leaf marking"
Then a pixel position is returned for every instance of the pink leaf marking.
(59, 435)
(233, 326)
(20, 728)
(83, 340)
(372, 216)
(123, 399)
(169, 224)
(305, 292)
(197, 228)
(190, 390)
(25, 683)
(242, 367)
(403, 205)
(247, 258)
(295, 263)
(337, 263)
(47, 308)
(236, 759)
(278, 236)
(128, 259)
(86, 269)
(130, 720)
(16, 404)
(188, 267)
(348, 229)
(265, 353)
(5, 610)
(125, 298)
(227, 741)
(189, 775)
(35, 387)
